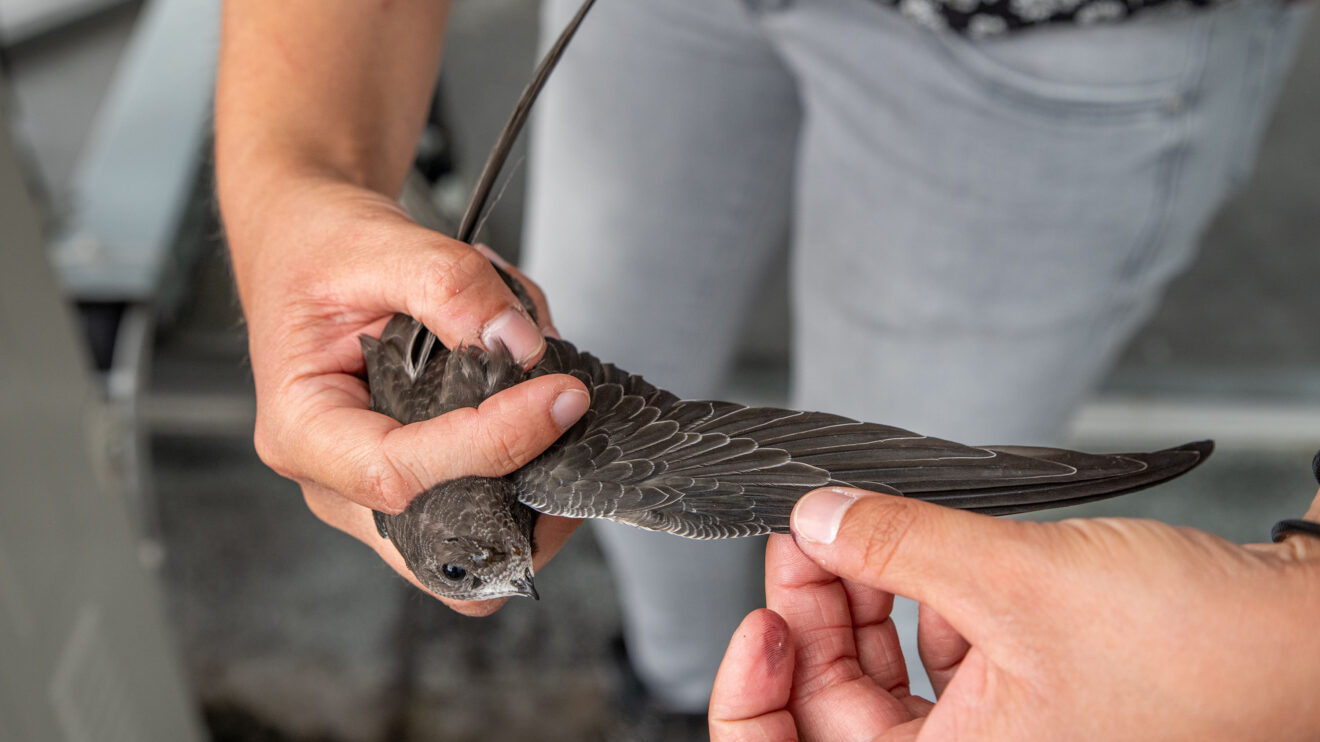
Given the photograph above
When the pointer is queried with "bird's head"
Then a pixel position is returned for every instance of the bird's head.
(467, 539)
(465, 568)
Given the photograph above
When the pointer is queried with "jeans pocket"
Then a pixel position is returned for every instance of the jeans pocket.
(1099, 75)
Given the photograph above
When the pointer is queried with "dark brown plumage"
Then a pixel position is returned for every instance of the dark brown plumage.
(697, 469)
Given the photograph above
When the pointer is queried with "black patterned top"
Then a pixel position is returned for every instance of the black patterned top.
(993, 17)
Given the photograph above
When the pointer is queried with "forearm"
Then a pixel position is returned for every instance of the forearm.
(313, 89)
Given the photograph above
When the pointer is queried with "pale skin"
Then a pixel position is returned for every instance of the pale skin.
(318, 110)
(1112, 629)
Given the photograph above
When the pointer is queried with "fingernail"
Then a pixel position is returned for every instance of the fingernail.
(517, 333)
(569, 407)
(818, 514)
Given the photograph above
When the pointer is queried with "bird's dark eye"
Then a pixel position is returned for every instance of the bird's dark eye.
(453, 572)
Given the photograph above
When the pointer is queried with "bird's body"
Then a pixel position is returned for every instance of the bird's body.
(699, 469)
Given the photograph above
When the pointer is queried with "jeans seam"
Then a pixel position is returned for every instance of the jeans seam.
(1177, 136)
(1254, 88)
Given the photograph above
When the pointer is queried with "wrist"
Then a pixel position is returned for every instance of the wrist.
(1301, 593)
(254, 200)
(253, 180)
(281, 208)
(254, 163)
(264, 161)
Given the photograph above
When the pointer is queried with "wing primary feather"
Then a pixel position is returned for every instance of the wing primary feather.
(517, 120)
(499, 154)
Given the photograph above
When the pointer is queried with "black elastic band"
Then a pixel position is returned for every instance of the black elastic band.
(1283, 528)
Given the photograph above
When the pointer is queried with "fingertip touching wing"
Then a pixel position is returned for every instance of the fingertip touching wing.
(715, 469)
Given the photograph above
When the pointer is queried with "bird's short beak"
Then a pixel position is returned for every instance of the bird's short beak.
(527, 587)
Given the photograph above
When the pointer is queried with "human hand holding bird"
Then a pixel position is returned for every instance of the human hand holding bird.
(322, 255)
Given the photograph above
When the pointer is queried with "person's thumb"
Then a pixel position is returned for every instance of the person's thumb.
(961, 564)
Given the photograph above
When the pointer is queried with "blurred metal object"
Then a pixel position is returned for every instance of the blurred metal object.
(136, 176)
(84, 640)
(118, 248)
(124, 384)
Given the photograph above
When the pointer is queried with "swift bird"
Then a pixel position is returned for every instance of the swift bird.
(699, 469)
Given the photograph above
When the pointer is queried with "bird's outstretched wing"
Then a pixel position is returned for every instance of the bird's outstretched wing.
(715, 469)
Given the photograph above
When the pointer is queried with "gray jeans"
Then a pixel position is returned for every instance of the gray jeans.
(975, 227)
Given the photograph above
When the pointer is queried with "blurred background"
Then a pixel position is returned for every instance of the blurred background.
(157, 582)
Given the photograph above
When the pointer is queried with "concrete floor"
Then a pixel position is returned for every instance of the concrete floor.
(293, 631)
